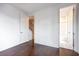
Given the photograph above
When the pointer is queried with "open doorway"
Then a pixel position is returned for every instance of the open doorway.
(66, 28)
(31, 27)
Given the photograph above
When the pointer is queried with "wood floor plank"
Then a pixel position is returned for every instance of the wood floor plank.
(26, 49)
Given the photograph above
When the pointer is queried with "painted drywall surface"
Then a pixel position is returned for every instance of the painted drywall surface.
(46, 27)
(78, 27)
(75, 26)
(10, 27)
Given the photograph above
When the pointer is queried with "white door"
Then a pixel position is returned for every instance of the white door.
(66, 27)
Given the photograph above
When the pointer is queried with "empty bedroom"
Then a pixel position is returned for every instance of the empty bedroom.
(39, 29)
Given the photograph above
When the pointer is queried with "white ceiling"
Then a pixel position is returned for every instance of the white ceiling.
(32, 7)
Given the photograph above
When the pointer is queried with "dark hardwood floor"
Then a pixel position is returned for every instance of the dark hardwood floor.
(67, 52)
(41, 50)
(26, 49)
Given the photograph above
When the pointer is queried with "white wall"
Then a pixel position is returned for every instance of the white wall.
(10, 27)
(77, 27)
(46, 27)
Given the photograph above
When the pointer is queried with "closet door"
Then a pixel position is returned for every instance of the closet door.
(66, 28)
